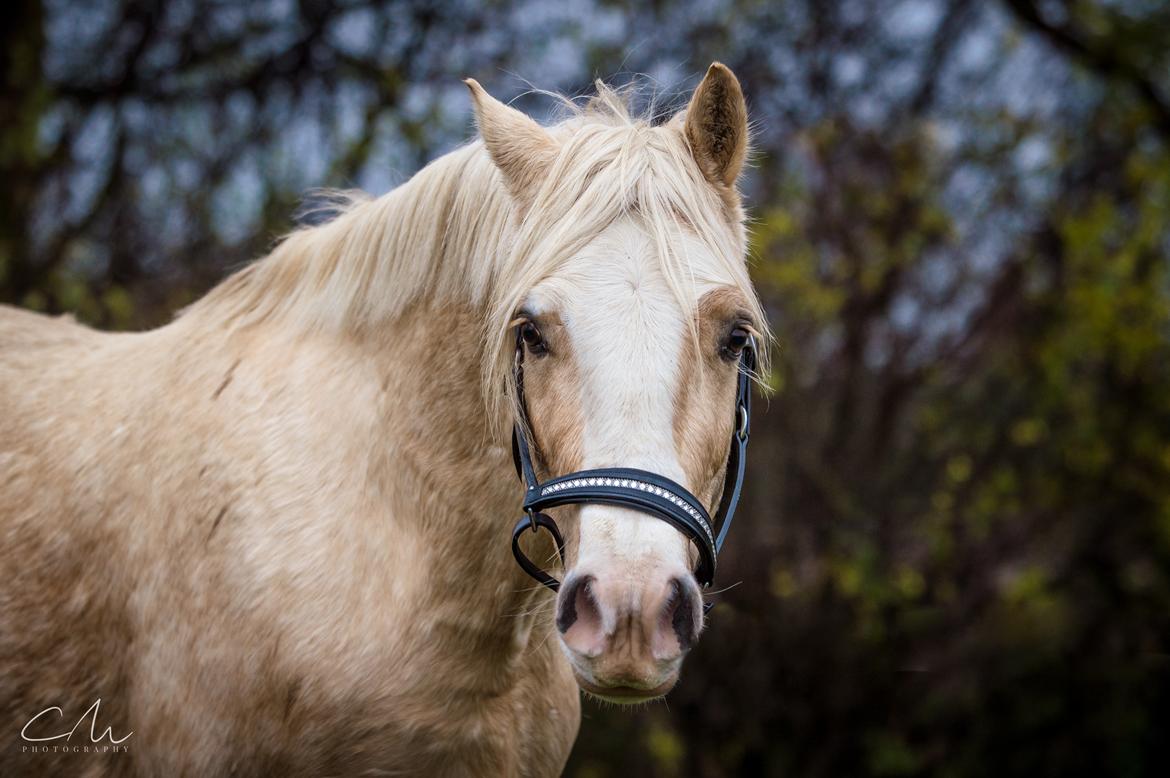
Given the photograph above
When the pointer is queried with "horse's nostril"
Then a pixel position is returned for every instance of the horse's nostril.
(576, 594)
(686, 617)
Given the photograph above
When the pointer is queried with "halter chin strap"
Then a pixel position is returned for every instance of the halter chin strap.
(638, 490)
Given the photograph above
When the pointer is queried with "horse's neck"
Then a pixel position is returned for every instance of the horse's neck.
(445, 486)
(453, 484)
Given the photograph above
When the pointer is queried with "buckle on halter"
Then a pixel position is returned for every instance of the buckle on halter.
(532, 520)
(741, 433)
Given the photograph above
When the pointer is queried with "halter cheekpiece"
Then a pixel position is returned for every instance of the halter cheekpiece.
(638, 490)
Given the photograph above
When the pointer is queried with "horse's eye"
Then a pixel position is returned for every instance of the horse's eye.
(737, 340)
(532, 338)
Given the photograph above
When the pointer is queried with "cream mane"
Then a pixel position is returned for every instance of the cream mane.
(452, 234)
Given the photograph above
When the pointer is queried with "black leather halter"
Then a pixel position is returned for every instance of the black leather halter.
(638, 490)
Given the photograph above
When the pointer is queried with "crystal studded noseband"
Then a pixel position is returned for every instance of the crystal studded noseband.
(626, 487)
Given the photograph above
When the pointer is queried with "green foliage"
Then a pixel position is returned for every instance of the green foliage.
(972, 566)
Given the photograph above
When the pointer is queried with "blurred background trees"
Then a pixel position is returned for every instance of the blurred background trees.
(955, 556)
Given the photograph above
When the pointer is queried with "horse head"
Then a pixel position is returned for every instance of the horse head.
(622, 320)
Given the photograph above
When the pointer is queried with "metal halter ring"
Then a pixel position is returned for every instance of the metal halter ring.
(536, 520)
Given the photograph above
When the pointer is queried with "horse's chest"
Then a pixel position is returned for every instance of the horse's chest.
(358, 709)
(417, 729)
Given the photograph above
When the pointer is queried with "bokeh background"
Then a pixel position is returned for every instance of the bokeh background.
(954, 559)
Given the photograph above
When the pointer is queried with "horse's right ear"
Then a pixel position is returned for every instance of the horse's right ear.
(521, 149)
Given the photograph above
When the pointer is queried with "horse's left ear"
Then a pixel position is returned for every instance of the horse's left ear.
(522, 150)
(716, 125)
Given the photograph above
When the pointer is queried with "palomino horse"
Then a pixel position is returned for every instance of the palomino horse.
(271, 537)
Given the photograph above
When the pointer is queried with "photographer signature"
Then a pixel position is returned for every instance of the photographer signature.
(91, 713)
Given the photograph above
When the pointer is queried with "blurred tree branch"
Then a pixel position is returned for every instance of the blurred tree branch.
(1106, 54)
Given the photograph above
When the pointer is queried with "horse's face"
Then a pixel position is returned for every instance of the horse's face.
(613, 378)
(621, 369)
